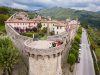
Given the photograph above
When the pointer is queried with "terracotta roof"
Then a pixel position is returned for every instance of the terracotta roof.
(19, 21)
(61, 23)
(72, 22)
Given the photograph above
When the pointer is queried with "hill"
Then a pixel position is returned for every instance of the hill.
(92, 18)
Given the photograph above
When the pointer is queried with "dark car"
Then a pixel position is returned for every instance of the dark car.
(78, 60)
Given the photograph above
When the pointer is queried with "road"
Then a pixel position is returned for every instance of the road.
(85, 67)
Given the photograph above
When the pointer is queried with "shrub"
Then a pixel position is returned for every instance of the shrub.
(34, 29)
(39, 25)
(52, 33)
(71, 59)
(36, 35)
(41, 34)
(44, 30)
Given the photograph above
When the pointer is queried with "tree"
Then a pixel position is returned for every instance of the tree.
(34, 29)
(39, 25)
(44, 30)
(52, 33)
(3, 18)
(71, 60)
(9, 56)
(84, 24)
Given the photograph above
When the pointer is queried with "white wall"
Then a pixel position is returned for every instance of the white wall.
(22, 25)
(59, 30)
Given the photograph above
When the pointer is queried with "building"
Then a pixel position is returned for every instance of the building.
(21, 23)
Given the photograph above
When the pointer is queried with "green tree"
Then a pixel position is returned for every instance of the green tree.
(71, 60)
(3, 18)
(44, 30)
(9, 56)
(4, 10)
(39, 26)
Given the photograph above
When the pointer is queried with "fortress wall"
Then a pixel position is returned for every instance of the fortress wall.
(16, 37)
(18, 41)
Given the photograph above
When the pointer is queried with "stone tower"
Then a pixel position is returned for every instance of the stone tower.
(43, 59)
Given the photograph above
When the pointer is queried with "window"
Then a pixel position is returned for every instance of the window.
(57, 27)
(57, 32)
(60, 27)
(53, 29)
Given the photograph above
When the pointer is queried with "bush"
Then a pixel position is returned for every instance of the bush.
(34, 29)
(77, 38)
(44, 30)
(29, 34)
(52, 33)
(36, 35)
(41, 34)
(71, 59)
(39, 26)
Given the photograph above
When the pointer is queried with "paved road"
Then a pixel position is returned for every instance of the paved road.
(85, 67)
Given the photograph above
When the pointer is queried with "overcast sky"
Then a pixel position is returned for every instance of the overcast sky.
(90, 5)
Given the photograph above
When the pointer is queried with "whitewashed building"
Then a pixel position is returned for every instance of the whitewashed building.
(21, 21)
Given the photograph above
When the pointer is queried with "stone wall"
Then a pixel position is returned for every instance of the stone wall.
(18, 42)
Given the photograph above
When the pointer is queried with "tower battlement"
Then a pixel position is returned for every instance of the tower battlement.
(42, 47)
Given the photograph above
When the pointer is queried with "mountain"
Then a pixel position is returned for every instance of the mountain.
(92, 18)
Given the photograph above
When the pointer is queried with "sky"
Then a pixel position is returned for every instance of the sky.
(90, 5)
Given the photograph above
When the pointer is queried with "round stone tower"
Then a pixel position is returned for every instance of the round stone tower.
(44, 57)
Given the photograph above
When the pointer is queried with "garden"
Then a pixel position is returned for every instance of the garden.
(37, 31)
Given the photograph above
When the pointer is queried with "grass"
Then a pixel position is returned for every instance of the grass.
(97, 51)
(44, 37)
(2, 29)
(29, 34)
(36, 34)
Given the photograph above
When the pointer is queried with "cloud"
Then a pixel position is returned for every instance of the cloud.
(90, 5)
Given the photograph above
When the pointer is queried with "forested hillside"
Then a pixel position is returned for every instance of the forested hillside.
(87, 17)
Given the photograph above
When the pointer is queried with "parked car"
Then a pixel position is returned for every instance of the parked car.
(78, 60)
